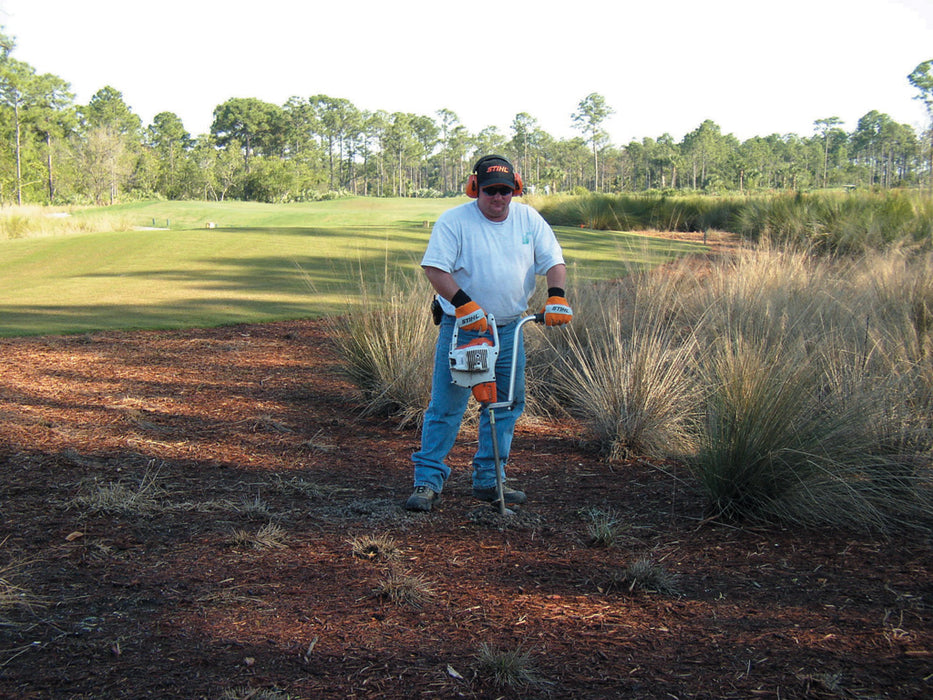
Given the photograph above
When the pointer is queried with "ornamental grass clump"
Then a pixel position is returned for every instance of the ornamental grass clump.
(816, 406)
(33, 221)
(387, 343)
(269, 536)
(794, 387)
(836, 222)
(769, 430)
(627, 372)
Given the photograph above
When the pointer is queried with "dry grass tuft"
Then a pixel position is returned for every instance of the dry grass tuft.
(254, 508)
(269, 536)
(14, 596)
(604, 527)
(646, 574)
(403, 588)
(508, 667)
(143, 497)
(299, 486)
(375, 548)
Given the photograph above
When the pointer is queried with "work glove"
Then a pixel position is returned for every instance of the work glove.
(557, 311)
(471, 317)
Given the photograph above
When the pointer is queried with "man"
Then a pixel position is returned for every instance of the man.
(481, 259)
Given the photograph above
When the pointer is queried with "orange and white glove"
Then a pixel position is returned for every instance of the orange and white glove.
(470, 315)
(557, 311)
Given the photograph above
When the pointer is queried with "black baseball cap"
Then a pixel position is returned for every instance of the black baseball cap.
(494, 170)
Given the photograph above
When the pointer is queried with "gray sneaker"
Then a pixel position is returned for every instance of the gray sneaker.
(492, 495)
(422, 498)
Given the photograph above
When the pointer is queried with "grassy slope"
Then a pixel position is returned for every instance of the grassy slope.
(261, 262)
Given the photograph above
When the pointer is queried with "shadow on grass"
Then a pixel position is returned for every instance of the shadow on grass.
(218, 291)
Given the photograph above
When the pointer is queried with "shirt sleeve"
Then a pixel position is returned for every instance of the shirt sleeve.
(443, 246)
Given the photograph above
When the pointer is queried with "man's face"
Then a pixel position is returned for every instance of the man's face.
(494, 202)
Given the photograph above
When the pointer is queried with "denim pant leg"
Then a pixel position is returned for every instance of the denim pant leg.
(442, 418)
(484, 463)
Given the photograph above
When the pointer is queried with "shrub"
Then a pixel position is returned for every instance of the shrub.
(426, 193)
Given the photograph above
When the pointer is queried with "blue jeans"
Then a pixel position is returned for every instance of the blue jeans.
(448, 403)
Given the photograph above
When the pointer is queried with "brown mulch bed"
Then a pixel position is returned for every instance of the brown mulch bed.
(178, 516)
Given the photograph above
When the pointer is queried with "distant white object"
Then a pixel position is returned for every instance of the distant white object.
(211, 224)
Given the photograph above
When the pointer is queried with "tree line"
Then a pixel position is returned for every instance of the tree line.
(55, 151)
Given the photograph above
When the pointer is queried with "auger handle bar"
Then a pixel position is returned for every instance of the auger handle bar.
(537, 318)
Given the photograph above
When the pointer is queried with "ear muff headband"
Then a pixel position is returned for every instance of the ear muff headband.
(472, 186)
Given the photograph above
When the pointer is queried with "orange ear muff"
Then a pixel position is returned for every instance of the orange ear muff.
(519, 186)
(471, 188)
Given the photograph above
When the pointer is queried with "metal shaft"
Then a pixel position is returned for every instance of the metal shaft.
(500, 489)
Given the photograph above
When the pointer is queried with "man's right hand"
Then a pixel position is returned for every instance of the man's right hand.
(471, 317)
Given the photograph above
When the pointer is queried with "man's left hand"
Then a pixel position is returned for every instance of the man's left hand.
(557, 311)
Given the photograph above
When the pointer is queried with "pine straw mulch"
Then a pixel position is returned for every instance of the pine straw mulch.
(205, 514)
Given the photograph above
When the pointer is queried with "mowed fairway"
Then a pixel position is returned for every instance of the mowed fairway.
(260, 262)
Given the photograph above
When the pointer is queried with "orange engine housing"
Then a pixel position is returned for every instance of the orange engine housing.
(485, 392)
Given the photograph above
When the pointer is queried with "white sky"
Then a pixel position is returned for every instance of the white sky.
(663, 65)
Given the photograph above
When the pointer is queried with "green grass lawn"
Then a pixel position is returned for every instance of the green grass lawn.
(261, 262)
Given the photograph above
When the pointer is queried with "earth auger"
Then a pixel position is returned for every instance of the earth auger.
(473, 365)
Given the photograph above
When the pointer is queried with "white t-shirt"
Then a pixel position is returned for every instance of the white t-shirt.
(495, 262)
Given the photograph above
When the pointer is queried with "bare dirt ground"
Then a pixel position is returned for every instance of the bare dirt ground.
(179, 512)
